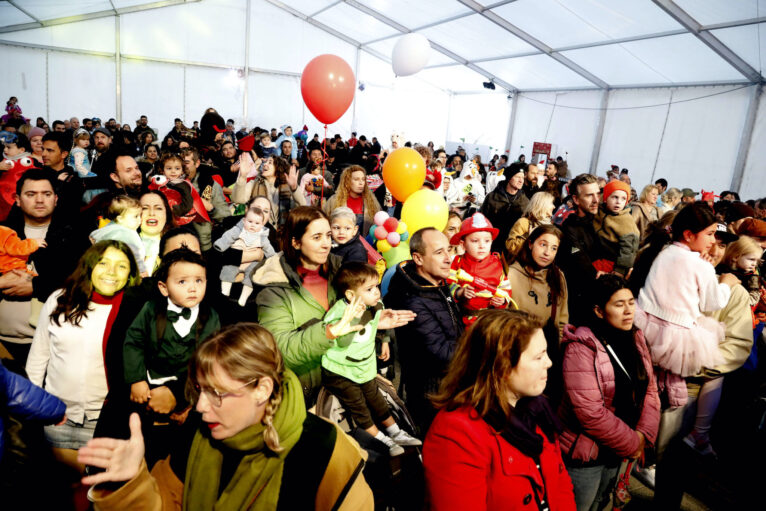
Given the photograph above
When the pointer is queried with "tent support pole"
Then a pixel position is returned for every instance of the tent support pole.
(599, 132)
(246, 69)
(117, 69)
(746, 138)
(511, 125)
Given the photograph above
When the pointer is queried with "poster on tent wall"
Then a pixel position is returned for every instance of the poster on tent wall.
(541, 153)
(486, 152)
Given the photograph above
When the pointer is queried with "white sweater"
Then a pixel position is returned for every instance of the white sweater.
(681, 286)
(69, 360)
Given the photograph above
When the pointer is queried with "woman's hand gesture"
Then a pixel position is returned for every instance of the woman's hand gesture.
(344, 326)
(394, 318)
(292, 177)
(121, 458)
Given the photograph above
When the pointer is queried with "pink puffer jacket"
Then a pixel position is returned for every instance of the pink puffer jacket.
(587, 411)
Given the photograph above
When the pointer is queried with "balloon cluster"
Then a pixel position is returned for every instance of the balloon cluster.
(387, 232)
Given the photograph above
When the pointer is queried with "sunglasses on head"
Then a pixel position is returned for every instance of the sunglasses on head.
(8, 138)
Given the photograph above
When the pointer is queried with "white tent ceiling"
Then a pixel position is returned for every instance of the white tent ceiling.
(526, 45)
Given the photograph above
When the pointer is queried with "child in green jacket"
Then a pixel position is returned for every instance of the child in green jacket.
(349, 368)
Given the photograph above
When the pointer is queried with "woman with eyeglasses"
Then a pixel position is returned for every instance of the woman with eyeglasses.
(251, 444)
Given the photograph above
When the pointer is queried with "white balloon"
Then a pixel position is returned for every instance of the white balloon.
(410, 54)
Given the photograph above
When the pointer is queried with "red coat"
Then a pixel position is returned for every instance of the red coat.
(469, 465)
(587, 409)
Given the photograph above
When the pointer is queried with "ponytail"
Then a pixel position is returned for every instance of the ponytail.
(658, 237)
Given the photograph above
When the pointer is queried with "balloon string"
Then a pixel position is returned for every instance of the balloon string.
(324, 159)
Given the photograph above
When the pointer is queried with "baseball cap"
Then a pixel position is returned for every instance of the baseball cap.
(723, 234)
(688, 192)
(103, 130)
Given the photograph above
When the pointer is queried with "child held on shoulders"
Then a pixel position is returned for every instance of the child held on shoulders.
(680, 286)
(164, 335)
(124, 215)
(617, 230)
(477, 278)
(349, 368)
(345, 236)
(250, 232)
(78, 157)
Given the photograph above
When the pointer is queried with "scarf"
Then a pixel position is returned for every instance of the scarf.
(115, 300)
(520, 429)
(257, 480)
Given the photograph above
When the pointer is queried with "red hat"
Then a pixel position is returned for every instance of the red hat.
(613, 186)
(246, 143)
(476, 223)
(709, 196)
(433, 179)
(752, 227)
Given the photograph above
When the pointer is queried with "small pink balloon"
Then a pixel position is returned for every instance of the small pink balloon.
(380, 232)
(380, 218)
(393, 238)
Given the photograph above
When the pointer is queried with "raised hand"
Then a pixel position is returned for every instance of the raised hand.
(120, 458)
(344, 326)
(394, 318)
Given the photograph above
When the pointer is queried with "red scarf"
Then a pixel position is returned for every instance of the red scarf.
(115, 301)
(356, 204)
(315, 284)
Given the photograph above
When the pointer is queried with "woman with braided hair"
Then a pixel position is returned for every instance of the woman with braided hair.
(251, 445)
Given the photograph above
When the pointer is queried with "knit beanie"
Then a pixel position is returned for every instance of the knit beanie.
(36, 132)
(613, 186)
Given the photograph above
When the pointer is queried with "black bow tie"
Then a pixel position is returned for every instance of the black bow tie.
(174, 316)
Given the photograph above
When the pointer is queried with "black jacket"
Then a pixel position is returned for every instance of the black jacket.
(58, 260)
(579, 246)
(530, 189)
(352, 250)
(69, 189)
(502, 210)
(427, 344)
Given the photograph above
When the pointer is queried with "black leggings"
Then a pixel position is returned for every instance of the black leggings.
(359, 399)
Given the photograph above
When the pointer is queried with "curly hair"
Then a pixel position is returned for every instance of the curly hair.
(344, 187)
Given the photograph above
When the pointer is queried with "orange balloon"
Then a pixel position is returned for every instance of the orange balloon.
(404, 172)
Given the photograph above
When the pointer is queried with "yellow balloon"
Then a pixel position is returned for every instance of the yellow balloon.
(401, 228)
(425, 208)
(383, 246)
(404, 172)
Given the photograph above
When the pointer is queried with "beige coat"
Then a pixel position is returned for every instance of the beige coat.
(516, 237)
(531, 293)
(642, 214)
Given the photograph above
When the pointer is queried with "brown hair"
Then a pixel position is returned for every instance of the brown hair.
(166, 157)
(295, 227)
(120, 204)
(341, 196)
(246, 352)
(582, 179)
(554, 278)
(352, 275)
(486, 353)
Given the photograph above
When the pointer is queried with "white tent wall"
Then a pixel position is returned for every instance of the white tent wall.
(754, 178)
(480, 119)
(24, 76)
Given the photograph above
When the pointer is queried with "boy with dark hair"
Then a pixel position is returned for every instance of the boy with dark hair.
(162, 339)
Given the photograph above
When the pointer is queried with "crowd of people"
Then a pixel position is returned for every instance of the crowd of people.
(172, 309)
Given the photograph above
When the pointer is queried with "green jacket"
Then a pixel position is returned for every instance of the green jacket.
(354, 355)
(295, 318)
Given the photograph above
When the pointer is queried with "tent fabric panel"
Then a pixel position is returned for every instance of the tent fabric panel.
(100, 35)
(749, 42)
(416, 14)
(220, 88)
(196, 36)
(24, 77)
(150, 88)
(386, 48)
(52, 9)
(71, 89)
(271, 102)
(586, 21)
(469, 36)
(535, 72)
(270, 23)
(753, 182)
(616, 65)
(480, 119)
(709, 12)
(354, 23)
(9, 15)
(455, 78)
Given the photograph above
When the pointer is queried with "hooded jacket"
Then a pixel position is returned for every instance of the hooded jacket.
(502, 210)
(426, 344)
(295, 318)
(587, 409)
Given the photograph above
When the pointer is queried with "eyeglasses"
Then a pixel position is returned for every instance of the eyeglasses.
(215, 397)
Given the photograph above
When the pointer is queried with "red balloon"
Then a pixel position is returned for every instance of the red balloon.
(327, 87)
(391, 224)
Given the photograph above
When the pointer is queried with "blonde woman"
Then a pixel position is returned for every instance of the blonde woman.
(670, 200)
(645, 210)
(250, 418)
(353, 192)
(538, 212)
